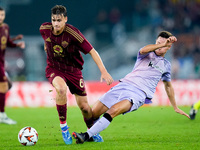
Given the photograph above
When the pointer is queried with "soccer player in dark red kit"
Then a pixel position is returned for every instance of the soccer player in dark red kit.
(5, 41)
(63, 44)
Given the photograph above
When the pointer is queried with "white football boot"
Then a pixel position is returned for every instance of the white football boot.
(4, 119)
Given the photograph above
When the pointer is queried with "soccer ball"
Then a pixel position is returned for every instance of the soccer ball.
(28, 136)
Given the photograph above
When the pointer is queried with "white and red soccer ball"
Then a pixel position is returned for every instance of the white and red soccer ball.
(28, 136)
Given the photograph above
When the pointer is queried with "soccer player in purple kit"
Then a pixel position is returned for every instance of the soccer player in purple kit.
(63, 44)
(5, 83)
(137, 87)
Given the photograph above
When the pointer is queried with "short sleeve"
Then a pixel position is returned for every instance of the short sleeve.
(167, 75)
(79, 38)
(140, 56)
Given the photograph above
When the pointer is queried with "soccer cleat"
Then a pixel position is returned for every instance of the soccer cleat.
(193, 113)
(97, 138)
(80, 137)
(66, 135)
(6, 120)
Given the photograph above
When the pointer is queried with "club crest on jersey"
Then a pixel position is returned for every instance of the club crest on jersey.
(65, 44)
(58, 51)
(156, 67)
(3, 40)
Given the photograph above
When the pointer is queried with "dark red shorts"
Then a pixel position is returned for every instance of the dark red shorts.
(3, 77)
(72, 77)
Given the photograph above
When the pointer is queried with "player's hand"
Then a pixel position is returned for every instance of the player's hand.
(21, 44)
(107, 77)
(181, 112)
(170, 41)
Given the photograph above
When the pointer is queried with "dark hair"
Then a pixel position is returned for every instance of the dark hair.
(165, 34)
(59, 10)
(1, 8)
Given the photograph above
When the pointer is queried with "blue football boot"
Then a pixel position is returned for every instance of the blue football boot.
(66, 135)
(97, 138)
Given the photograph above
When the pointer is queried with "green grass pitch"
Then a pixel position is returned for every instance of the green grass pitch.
(148, 128)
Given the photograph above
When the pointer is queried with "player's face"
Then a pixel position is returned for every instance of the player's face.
(2, 16)
(58, 22)
(161, 51)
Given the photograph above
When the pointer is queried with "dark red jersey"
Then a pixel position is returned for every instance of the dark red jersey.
(4, 42)
(64, 50)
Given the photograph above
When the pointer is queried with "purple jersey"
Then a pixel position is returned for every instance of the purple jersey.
(4, 42)
(149, 69)
(63, 51)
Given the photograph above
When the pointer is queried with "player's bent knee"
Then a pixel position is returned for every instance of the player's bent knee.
(61, 91)
(114, 112)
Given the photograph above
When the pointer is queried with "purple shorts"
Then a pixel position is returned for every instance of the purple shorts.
(73, 79)
(124, 91)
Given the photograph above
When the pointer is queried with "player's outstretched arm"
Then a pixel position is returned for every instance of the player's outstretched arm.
(170, 93)
(18, 37)
(152, 47)
(104, 74)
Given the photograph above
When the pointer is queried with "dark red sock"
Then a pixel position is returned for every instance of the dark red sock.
(62, 112)
(89, 122)
(2, 101)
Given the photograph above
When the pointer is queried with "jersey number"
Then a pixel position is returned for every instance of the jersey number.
(81, 83)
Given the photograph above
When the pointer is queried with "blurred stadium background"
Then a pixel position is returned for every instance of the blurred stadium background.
(117, 29)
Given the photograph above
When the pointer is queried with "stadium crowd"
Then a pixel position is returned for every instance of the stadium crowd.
(181, 17)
